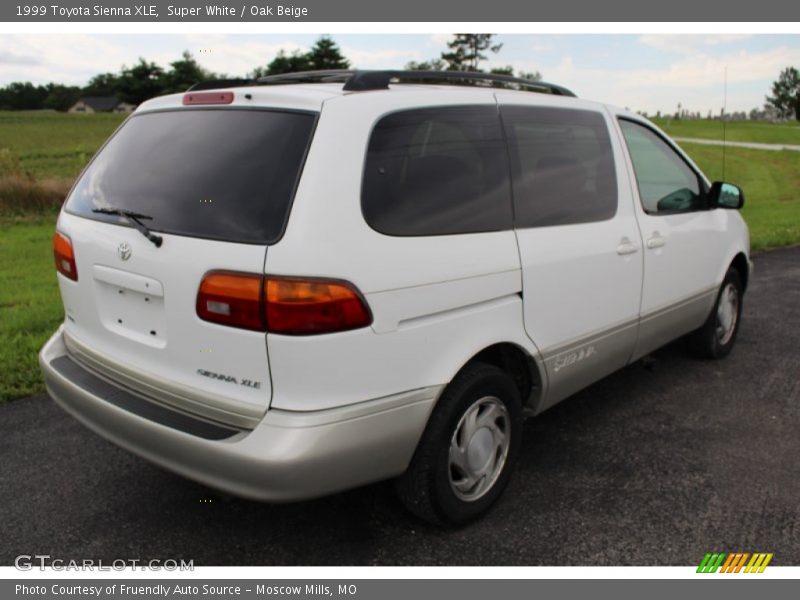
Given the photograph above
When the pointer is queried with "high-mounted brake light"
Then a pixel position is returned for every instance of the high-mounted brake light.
(65, 256)
(207, 98)
(297, 306)
(286, 305)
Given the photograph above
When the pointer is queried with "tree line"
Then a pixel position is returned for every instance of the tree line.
(146, 79)
(132, 84)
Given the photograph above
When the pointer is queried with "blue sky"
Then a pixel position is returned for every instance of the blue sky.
(643, 72)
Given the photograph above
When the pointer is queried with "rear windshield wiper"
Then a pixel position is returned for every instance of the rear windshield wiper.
(135, 219)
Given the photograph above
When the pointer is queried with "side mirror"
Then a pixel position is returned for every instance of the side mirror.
(725, 195)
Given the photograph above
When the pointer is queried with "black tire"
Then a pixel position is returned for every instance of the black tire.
(426, 488)
(713, 340)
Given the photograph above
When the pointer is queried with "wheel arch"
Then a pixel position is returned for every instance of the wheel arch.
(520, 365)
(742, 266)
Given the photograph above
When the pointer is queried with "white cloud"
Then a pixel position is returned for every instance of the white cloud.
(439, 40)
(12, 58)
(543, 48)
(74, 59)
(71, 59)
(695, 81)
(705, 70)
(688, 44)
(380, 59)
(239, 57)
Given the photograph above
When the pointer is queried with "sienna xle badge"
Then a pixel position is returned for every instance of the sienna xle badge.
(322, 280)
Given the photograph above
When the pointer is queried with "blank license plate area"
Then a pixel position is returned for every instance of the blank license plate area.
(129, 312)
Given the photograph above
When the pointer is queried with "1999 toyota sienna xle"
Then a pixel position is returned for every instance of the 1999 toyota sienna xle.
(322, 280)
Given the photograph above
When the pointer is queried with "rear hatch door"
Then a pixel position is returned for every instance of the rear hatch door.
(216, 185)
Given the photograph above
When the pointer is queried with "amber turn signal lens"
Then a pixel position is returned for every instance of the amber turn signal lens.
(65, 256)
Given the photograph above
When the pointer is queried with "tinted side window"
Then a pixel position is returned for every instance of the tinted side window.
(562, 166)
(437, 171)
(666, 183)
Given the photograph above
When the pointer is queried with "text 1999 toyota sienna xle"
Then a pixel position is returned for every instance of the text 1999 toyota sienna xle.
(287, 289)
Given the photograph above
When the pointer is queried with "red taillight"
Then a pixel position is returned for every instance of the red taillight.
(207, 98)
(234, 299)
(65, 256)
(286, 305)
(297, 306)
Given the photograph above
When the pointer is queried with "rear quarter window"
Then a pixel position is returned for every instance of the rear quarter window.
(437, 171)
(562, 166)
(226, 174)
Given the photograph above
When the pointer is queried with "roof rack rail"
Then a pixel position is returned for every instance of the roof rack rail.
(377, 80)
(361, 81)
(323, 76)
(215, 84)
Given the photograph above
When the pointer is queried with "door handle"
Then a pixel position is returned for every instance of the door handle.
(656, 241)
(626, 247)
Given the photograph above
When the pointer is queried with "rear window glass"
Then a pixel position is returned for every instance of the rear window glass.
(562, 164)
(437, 171)
(220, 174)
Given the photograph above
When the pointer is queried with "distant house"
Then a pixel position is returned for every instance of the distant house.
(94, 104)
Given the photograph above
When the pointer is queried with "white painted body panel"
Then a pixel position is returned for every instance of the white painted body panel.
(576, 285)
(110, 290)
(436, 301)
(295, 97)
(356, 366)
(689, 262)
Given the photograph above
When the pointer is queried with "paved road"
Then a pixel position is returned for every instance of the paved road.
(751, 145)
(656, 464)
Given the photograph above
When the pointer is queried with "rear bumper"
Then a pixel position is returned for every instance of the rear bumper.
(288, 456)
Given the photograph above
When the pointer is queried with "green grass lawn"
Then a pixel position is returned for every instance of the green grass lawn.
(54, 145)
(30, 307)
(771, 182)
(735, 131)
(52, 148)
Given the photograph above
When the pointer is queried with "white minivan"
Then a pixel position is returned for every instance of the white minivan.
(322, 280)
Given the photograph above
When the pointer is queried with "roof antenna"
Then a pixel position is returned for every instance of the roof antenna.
(724, 106)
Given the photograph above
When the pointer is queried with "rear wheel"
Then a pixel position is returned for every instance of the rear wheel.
(716, 337)
(465, 457)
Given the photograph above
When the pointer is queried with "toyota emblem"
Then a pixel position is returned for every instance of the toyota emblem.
(124, 251)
